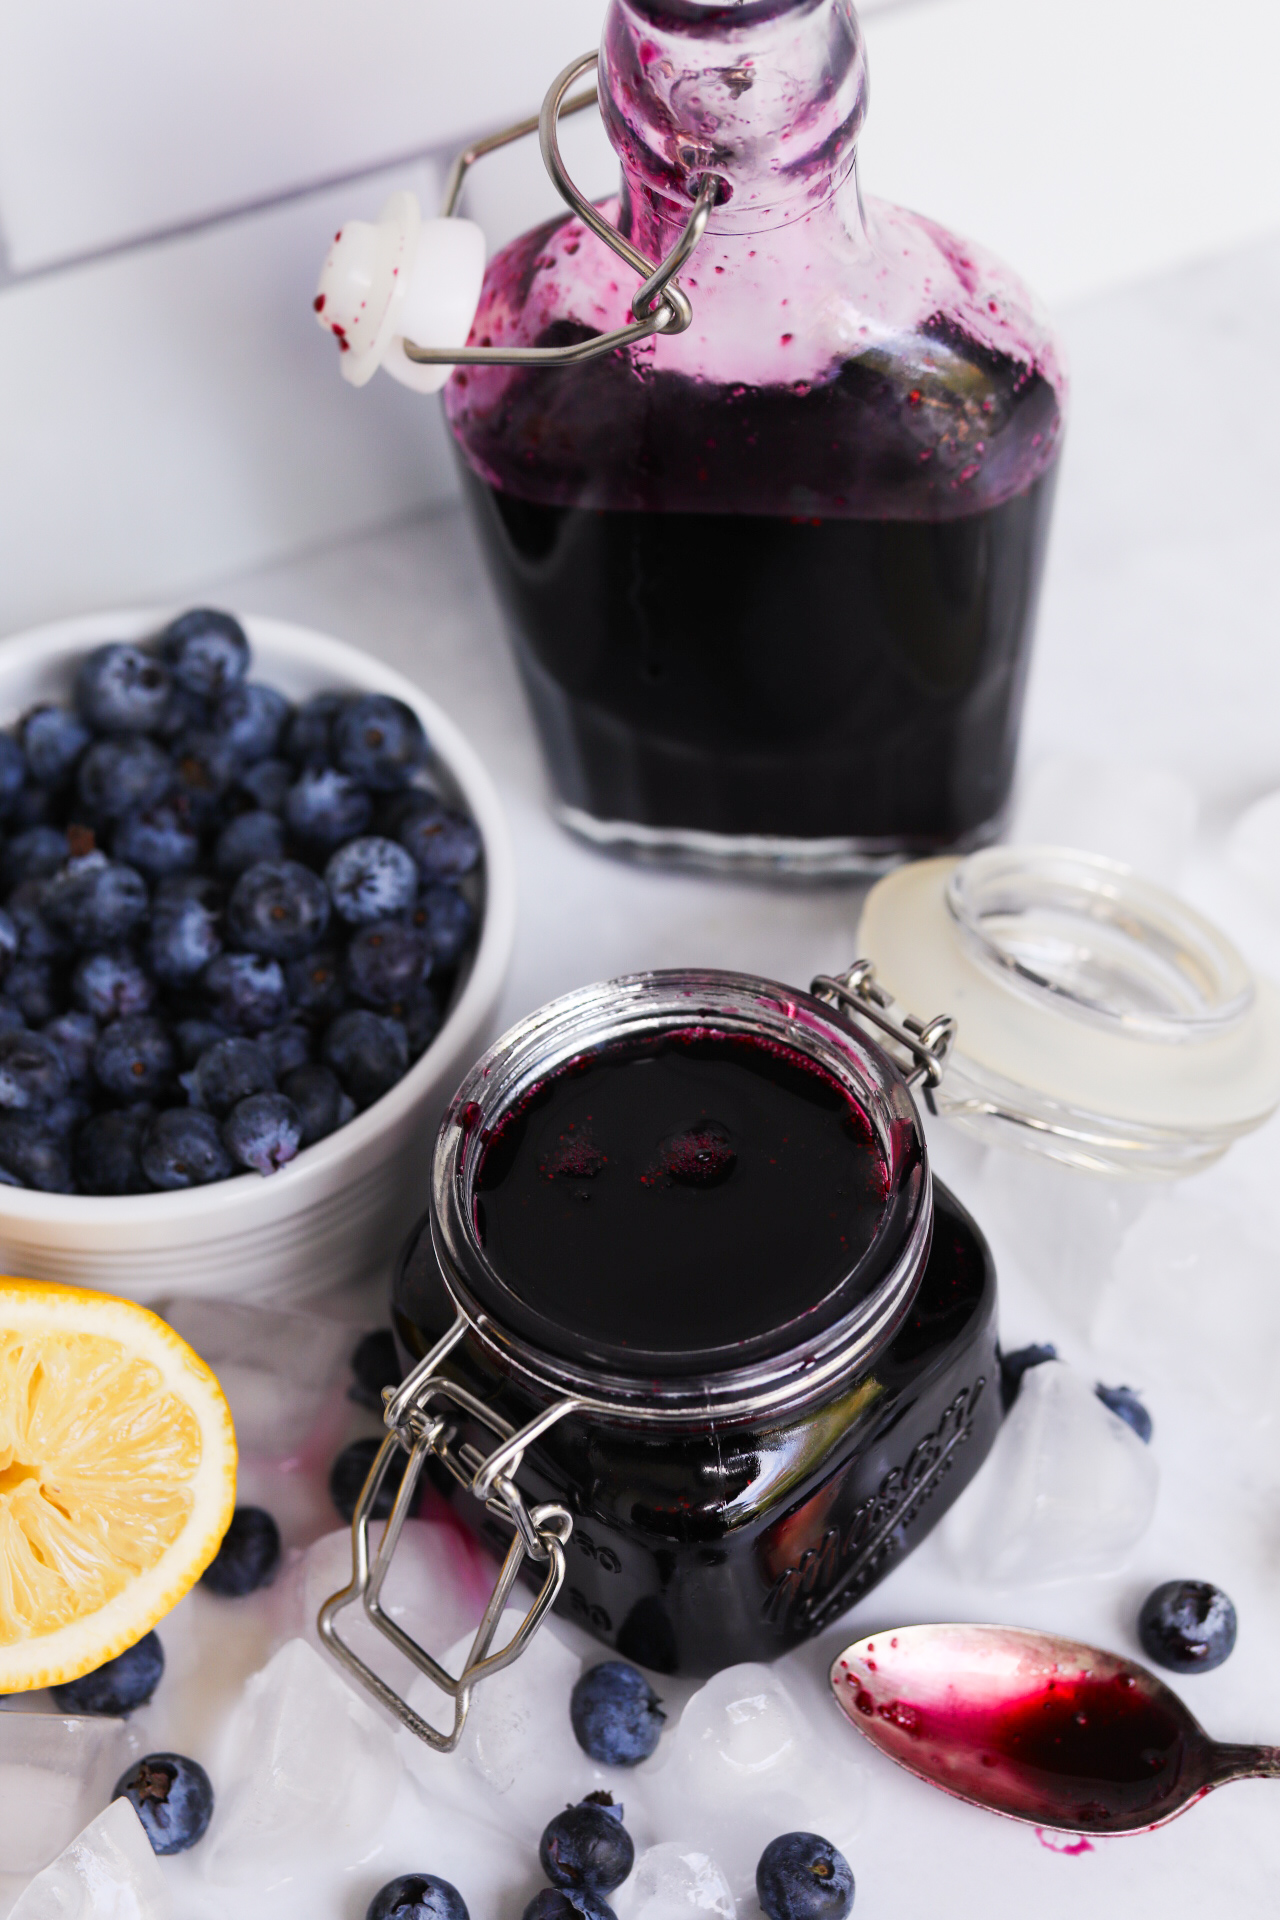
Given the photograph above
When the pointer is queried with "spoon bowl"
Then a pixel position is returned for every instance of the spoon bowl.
(1036, 1727)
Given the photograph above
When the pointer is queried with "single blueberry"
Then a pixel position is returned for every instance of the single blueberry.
(316, 986)
(108, 1152)
(368, 1052)
(447, 919)
(229, 1072)
(31, 1157)
(1188, 1626)
(246, 991)
(386, 963)
(350, 1470)
(157, 840)
(263, 1132)
(204, 766)
(267, 784)
(53, 738)
(417, 1896)
(30, 986)
(248, 1556)
(375, 1364)
(250, 718)
(119, 1685)
(185, 922)
(1014, 1365)
(324, 807)
(371, 879)
(801, 1876)
(378, 741)
(116, 777)
(307, 739)
(110, 985)
(182, 1147)
(33, 1073)
(13, 773)
(287, 1046)
(33, 855)
(444, 845)
(121, 689)
(278, 908)
(74, 1035)
(133, 1058)
(186, 712)
(586, 1846)
(568, 1903)
(320, 1102)
(420, 1017)
(173, 1798)
(38, 939)
(207, 651)
(617, 1718)
(1126, 1405)
(94, 901)
(195, 1036)
(247, 839)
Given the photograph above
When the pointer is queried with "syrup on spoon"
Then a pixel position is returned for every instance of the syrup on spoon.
(1042, 1729)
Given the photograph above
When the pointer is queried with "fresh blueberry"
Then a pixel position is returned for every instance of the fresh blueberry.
(159, 840)
(186, 712)
(417, 1896)
(38, 939)
(247, 839)
(33, 855)
(267, 784)
(34, 806)
(108, 1152)
(1014, 1365)
(116, 777)
(378, 741)
(204, 766)
(250, 718)
(316, 986)
(1188, 1626)
(568, 1903)
(307, 739)
(320, 1101)
(184, 936)
(195, 1036)
(443, 845)
(173, 1798)
(31, 1157)
(119, 1685)
(375, 1364)
(368, 1052)
(30, 986)
(371, 879)
(74, 1035)
(33, 1073)
(278, 908)
(1125, 1404)
(133, 1058)
(247, 992)
(350, 1470)
(53, 738)
(207, 651)
(182, 1147)
(263, 1132)
(448, 921)
(386, 963)
(111, 985)
(121, 689)
(801, 1876)
(324, 807)
(617, 1717)
(94, 901)
(13, 773)
(586, 1846)
(287, 1046)
(248, 1556)
(229, 1072)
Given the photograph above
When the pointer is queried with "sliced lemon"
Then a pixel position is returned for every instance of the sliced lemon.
(117, 1478)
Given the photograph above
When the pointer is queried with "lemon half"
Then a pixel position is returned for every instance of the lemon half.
(117, 1478)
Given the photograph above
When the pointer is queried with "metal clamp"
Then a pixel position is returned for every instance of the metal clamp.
(858, 993)
(539, 1534)
(660, 306)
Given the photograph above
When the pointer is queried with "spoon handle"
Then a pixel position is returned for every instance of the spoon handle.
(1232, 1762)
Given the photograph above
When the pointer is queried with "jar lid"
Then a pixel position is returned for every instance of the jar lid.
(1099, 1018)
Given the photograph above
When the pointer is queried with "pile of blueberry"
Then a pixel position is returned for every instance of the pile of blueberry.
(229, 923)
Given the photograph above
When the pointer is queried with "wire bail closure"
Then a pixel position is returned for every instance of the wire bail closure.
(857, 993)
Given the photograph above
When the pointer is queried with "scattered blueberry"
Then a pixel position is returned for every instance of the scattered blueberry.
(246, 840)
(320, 1102)
(116, 777)
(444, 845)
(278, 908)
(246, 991)
(266, 784)
(33, 1073)
(119, 1685)
(617, 1717)
(287, 1046)
(586, 1846)
(157, 840)
(38, 939)
(207, 651)
(133, 1058)
(31, 1157)
(325, 807)
(568, 1903)
(316, 985)
(1188, 1626)
(1125, 1404)
(248, 1556)
(109, 985)
(378, 741)
(350, 1470)
(195, 1036)
(108, 1152)
(263, 1132)
(447, 919)
(185, 922)
(182, 1147)
(1014, 1365)
(173, 1798)
(228, 1072)
(387, 963)
(307, 740)
(121, 689)
(371, 879)
(417, 1896)
(75, 1036)
(801, 1876)
(375, 1364)
(95, 901)
(33, 855)
(420, 1017)
(53, 738)
(369, 1053)
(249, 717)
(203, 766)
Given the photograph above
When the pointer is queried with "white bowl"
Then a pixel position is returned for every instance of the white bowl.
(340, 1209)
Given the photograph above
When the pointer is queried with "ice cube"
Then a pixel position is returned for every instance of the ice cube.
(1142, 816)
(56, 1771)
(1066, 1492)
(275, 1365)
(674, 1881)
(108, 1872)
(306, 1774)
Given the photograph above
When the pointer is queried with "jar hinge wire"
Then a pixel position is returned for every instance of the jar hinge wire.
(857, 993)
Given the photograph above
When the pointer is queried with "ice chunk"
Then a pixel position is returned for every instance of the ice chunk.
(1067, 1491)
(108, 1872)
(56, 1771)
(1143, 816)
(306, 1775)
(673, 1881)
(275, 1366)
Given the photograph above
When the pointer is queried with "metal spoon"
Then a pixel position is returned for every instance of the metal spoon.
(1043, 1729)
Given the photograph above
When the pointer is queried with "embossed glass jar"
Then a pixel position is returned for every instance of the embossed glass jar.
(728, 1498)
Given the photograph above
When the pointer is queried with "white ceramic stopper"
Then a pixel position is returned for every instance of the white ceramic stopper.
(403, 278)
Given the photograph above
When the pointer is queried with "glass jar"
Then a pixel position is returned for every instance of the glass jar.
(738, 1477)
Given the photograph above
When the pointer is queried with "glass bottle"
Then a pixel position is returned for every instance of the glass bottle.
(772, 581)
